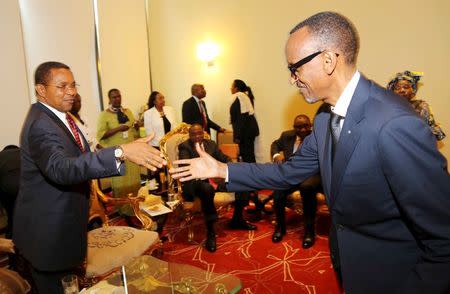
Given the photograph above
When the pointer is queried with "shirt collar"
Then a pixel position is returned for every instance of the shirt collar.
(196, 99)
(59, 114)
(344, 100)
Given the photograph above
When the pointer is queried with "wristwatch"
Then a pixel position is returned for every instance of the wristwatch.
(118, 153)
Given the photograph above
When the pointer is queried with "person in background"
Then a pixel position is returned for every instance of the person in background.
(159, 119)
(245, 130)
(82, 125)
(385, 182)
(281, 150)
(242, 118)
(9, 182)
(52, 207)
(405, 84)
(116, 126)
(194, 110)
(205, 191)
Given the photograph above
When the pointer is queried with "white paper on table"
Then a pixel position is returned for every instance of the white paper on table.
(157, 209)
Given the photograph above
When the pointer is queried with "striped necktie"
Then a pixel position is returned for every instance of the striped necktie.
(74, 129)
(203, 112)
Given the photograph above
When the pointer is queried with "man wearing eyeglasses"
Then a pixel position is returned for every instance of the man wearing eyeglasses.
(387, 185)
(51, 213)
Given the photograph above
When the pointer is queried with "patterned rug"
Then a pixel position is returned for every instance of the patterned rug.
(262, 266)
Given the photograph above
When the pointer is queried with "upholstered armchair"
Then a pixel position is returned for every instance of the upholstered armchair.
(169, 147)
(110, 247)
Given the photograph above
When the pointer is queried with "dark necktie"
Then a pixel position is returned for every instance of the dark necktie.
(335, 128)
(74, 129)
(203, 112)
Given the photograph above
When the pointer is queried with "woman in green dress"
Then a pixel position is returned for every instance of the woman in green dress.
(116, 126)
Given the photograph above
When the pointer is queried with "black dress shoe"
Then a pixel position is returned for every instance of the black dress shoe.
(210, 243)
(278, 235)
(241, 225)
(308, 240)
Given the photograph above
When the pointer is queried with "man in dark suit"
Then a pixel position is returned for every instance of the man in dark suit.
(387, 185)
(194, 110)
(205, 191)
(51, 212)
(281, 150)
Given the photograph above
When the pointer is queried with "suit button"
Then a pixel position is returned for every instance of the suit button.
(340, 227)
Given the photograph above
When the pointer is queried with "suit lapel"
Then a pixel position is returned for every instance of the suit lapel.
(350, 135)
(53, 117)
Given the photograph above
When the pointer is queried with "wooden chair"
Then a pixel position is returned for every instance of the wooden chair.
(169, 147)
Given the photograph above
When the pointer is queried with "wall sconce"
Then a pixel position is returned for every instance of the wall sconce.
(207, 52)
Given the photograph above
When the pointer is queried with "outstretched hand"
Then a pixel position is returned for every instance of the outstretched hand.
(201, 167)
(141, 153)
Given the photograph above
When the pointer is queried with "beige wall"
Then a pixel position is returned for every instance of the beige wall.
(251, 34)
(123, 32)
(394, 36)
(14, 100)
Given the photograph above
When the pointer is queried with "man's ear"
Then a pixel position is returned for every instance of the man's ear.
(330, 62)
(40, 90)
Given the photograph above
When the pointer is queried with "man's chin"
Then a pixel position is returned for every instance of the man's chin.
(310, 100)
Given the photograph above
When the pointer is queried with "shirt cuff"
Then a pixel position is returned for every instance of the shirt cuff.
(226, 175)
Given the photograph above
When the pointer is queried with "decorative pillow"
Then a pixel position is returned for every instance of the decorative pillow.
(112, 247)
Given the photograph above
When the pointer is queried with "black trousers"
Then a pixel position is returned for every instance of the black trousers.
(205, 192)
(308, 190)
(44, 282)
(247, 149)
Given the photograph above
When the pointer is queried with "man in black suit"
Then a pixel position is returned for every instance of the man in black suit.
(205, 191)
(281, 150)
(51, 212)
(194, 110)
(386, 184)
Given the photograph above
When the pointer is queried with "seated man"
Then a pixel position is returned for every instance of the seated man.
(205, 191)
(280, 150)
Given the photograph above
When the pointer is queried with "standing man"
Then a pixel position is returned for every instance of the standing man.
(51, 213)
(281, 150)
(387, 185)
(205, 191)
(194, 110)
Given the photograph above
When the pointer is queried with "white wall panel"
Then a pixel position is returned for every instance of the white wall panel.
(14, 101)
(63, 30)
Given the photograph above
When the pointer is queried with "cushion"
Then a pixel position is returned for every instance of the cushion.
(12, 283)
(114, 246)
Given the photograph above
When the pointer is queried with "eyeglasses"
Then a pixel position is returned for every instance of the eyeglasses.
(64, 87)
(293, 68)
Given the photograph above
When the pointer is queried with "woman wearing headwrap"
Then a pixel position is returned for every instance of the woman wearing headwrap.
(116, 126)
(405, 85)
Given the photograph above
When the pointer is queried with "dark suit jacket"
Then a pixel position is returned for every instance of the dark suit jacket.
(388, 192)
(50, 220)
(191, 114)
(245, 126)
(284, 144)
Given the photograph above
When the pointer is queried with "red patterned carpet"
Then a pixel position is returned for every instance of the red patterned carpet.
(262, 266)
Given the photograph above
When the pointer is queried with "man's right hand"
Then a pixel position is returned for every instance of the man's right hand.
(141, 153)
(201, 167)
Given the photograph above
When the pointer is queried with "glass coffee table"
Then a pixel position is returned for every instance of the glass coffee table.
(147, 274)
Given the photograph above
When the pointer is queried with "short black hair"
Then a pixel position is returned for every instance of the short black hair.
(43, 71)
(333, 30)
(112, 90)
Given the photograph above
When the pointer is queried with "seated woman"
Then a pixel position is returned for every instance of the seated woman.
(405, 85)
